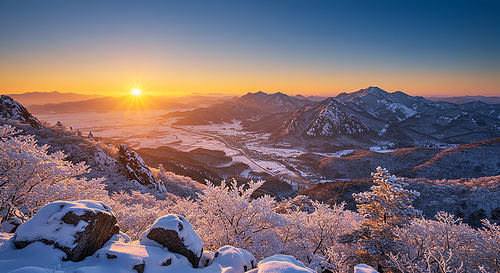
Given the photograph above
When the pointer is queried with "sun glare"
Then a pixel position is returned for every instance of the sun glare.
(136, 92)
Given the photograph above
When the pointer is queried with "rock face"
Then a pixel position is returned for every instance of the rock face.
(135, 166)
(176, 234)
(324, 120)
(78, 228)
(11, 109)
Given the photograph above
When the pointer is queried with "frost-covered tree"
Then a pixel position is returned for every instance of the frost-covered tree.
(227, 215)
(447, 245)
(30, 177)
(137, 211)
(310, 231)
(389, 204)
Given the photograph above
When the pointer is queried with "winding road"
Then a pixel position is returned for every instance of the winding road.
(220, 139)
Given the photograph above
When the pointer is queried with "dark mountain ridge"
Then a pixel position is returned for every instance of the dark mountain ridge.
(252, 106)
(467, 99)
(464, 161)
(124, 103)
(40, 98)
(373, 116)
(219, 113)
(271, 103)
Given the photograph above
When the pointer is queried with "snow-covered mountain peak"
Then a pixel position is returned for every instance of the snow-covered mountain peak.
(271, 103)
(371, 91)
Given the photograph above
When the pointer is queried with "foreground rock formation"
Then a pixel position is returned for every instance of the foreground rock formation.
(82, 236)
(135, 166)
(176, 234)
(78, 228)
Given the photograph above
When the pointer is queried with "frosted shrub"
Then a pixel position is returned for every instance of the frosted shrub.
(137, 211)
(308, 234)
(490, 246)
(30, 177)
(446, 245)
(227, 216)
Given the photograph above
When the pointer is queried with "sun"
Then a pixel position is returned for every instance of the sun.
(136, 92)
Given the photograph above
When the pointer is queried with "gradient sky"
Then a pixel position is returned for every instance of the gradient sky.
(427, 48)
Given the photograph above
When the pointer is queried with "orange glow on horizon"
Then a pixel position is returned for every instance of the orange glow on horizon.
(321, 83)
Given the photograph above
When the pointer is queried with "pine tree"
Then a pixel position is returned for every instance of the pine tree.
(389, 204)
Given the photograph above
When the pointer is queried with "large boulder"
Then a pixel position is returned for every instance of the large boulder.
(78, 228)
(176, 234)
(13, 110)
(135, 166)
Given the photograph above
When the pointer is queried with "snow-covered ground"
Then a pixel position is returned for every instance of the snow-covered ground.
(147, 129)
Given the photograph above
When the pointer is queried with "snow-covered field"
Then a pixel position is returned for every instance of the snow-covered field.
(147, 129)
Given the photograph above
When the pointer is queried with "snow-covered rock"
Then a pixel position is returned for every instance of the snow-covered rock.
(11, 109)
(117, 255)
(239, 260)
(281, 263)
(176, 234)
(135, 166)
(103, 161)
(205, 259)
(11, 224)
(78, 228)
(363, 268)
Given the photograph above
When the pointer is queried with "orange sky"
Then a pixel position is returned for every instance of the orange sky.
(168, 82)
(174, 48)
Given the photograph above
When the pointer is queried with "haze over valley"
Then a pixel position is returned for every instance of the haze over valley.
(280, 135)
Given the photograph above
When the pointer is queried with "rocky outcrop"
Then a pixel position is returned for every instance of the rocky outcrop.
(135, 166)
(78, 228)
(176, 234)
(13, 110)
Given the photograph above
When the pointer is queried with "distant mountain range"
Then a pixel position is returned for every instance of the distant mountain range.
(252, 106)
(359, 119)
(271, 103)
(466, 99)
(39, 98)
(124, 103)
(373, 116)
(311, 98)
(331, 120)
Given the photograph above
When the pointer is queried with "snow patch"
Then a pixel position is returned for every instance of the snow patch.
(281, 263)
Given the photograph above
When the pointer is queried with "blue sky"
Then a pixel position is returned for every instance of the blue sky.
(308, 47)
